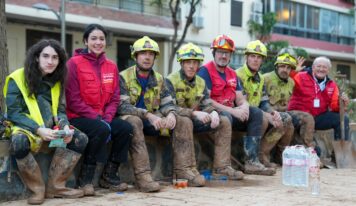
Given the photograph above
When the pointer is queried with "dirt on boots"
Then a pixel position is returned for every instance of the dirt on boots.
(62, 165)
(32, 177)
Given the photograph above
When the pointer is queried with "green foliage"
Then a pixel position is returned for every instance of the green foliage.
(273, 48)
(262, 31)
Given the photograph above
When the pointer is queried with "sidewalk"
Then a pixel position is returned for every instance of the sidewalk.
(338, 187)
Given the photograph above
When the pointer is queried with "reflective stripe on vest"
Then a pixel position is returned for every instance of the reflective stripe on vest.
(152, 95)
(187, 96)
(224, 92)
(31, 102)
(253, 89)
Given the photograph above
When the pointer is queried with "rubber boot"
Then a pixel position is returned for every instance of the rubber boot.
(62, 165)
(98, 173)
(86, 179)
(252, 164)
(265, 150)
(110, 179)
(222, 142)
(140, 158)
(32, 177)
(183, 153)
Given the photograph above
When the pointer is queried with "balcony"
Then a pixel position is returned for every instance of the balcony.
(134, 6)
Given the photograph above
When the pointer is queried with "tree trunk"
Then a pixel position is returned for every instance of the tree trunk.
(175, 44)
(4, 69)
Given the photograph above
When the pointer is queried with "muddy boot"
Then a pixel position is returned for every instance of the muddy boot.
(145, 183)
(86, 179)
(32, 177)
(266, 147)
(140, 158)
(62, 165)
(252, 164)
(183, 153)
(229, 172)
(98, 172)
(110, 179)
(222, 142)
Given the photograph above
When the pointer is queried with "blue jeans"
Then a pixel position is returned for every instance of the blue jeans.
(253, 126)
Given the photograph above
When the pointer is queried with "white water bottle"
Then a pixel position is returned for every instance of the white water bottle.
(314, 171)
(287, 157)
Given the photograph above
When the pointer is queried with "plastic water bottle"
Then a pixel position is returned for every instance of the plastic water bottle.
(287, 166)
(301, 167)
(295, 170)
(314, 171)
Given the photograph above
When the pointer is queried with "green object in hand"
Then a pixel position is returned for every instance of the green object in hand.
(57, 143)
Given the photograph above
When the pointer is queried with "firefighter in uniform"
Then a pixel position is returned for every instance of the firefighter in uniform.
(279, 87)
(191, 95)
(226, 95)
(148, 105)
(277, 126)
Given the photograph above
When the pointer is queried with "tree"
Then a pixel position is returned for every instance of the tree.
(4, 70)
(262, 31)
(174, 7)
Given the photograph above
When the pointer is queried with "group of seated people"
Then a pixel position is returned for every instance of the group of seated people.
(80, 105)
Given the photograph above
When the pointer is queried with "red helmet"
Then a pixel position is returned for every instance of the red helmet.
(223, 42)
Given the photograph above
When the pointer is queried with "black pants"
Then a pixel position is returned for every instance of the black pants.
(20, 145)
(253, 126)
(98, 133)
(331, 120)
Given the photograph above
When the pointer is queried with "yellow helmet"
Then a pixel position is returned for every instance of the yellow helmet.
(144, 44)
(286, 59)
(256, 47)
(190, 51)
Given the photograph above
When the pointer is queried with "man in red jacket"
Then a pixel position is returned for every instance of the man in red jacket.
(314, 92)
(226, 93)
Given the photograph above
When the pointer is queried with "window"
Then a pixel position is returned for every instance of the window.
(237, 60)
(307, 21)
(33, 36)
(343, 69)
(124, 59)
(236, 13)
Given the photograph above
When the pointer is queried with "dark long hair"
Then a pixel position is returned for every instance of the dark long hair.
(33, 74)
(92, 27)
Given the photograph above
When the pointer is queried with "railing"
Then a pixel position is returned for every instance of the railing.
(137, 6)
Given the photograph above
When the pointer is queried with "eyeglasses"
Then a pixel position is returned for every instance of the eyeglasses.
(223, 53)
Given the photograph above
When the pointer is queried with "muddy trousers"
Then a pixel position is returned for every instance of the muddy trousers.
(221, 137)
(331, 120)
(303, 124)
(139, 155)
(280, 137)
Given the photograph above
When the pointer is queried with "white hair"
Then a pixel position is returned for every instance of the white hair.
(322, 59)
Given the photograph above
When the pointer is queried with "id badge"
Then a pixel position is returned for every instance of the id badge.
(316, 103)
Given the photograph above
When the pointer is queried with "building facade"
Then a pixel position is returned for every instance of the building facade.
(322, 27)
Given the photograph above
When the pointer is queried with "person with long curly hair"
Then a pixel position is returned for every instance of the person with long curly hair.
(37, 112)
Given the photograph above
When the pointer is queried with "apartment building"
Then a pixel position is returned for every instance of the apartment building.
(322, 27)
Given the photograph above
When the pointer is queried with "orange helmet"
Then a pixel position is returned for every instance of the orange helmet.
(223, 42)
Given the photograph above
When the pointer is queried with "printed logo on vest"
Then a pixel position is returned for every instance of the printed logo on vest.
(108, 78)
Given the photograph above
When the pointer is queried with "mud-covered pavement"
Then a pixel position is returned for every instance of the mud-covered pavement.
(338, 187)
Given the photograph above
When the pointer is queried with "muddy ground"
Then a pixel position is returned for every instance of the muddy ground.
(338, 187)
